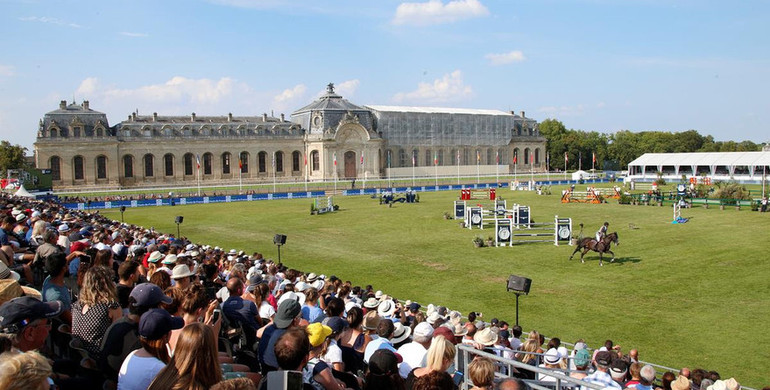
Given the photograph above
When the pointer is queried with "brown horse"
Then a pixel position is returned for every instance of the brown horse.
(603, 246)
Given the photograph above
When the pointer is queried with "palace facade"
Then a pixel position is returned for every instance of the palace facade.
(329, 138)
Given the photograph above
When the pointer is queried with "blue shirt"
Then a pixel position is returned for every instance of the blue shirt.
(312, 313)
(602, 379)
(242, 311)
(52, 292)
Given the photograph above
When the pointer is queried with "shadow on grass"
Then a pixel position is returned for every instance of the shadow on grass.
(618, 260)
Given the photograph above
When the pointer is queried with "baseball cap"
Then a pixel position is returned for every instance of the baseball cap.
(337, 324)
(19, 312)
(287, 311)
(603, 358)
(414, 306)
(317, 333)
(384, 362)
(423, 329)
(148, 294)
(582, 357)
(156, 323)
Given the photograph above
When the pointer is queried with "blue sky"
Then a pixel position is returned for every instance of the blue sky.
(599, 65)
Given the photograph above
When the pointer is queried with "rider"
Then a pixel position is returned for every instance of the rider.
(602, 232)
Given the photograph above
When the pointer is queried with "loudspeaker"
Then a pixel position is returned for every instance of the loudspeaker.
(179, 219)
(279, 239)
(122, 208)
(519, 284)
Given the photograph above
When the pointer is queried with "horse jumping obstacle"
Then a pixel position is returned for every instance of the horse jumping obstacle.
(558, 231)
(481, 217)
(572, 196)
(613, 192)
(470, 194)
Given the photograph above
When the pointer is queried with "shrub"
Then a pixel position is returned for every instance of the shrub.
(625, 199)
(731, 190)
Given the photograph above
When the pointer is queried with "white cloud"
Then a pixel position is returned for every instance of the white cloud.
(563, 111)
(47, 20)
(289, 98)
(134, 34)
(254, 4)
(505, 58)
(446, 89)
(436, 12)
(6, 70)
(179, 95)
(347, 88)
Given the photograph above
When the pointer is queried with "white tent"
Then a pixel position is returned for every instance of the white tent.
(577, 175)
(23, 192)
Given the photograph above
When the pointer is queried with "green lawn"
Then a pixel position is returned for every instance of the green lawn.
(691, 295)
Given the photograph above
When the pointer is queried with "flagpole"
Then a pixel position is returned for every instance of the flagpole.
(413, 164)
(335, 172)
(363, 168)
(388, 170)
(306, 173)
(274, 179)
(478, 174)
(458, 166)
(435, 166)
(240, 176)
(497, 167)
(198, 161)
(565, 165)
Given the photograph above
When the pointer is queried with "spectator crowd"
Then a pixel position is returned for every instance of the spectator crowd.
(90, 303)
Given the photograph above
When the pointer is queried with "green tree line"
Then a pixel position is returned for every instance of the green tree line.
(11, 157)
(615, 151)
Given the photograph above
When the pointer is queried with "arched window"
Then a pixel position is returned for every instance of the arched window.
(315, 160)
(128, 166)
(454, 157)
(101, 167)
(428, 158)
(76, 132)
(516, 156)
(295, 157)
(188, 164)
(537, 156)
(279, 161)
(526, 156)
(503, 156)
(490, 158)
(99, 132)
(226, 163)
(415, 157)
(466, 157)
(77, 164)
(243, 162)
(54, 133)
(149, 165)
(55, 168)
(262, 162)
(388, 158)
(168, 164)
(401, 158)
(207, 163)
(441, 157)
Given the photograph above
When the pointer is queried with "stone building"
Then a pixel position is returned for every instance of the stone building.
(329, 138)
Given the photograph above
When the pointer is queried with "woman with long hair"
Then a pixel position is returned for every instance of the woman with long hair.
(96, 309)
(194, 365)
(441, 355)
(140, 366)
(160, 279)
(481, 372)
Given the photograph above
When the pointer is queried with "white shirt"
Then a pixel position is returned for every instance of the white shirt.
(137, 372)
(333, 353)
(378, 343)
(414, 356)
(266, 310)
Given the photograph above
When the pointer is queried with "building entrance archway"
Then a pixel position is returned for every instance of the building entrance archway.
(350, 165)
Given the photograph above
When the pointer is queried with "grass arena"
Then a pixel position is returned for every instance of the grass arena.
(692, 294)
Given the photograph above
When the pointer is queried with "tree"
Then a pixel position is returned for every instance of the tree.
(11, 157)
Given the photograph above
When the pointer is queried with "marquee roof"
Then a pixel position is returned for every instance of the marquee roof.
(707, 159)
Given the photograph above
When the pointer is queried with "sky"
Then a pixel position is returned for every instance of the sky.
(595, 65)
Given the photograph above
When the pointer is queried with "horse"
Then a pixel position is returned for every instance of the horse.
(602, 247)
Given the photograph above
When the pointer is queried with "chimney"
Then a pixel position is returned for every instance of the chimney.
(129, 118)
(230, 117)
(133, 116)
(282, 117)
(513, 112)
(192, 117)
(264, 117)
(85, 104)
(62, 104)
(154, 116)
(522, 114)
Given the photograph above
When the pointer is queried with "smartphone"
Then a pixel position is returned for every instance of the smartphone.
(458, 378)
(215, 316)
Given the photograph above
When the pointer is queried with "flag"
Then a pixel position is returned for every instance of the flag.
(388, 159)
(435, 158)
(478, 157)
(273, 161)
(335, 159)
(593, 159)
(198, 161)
(414, 162)
(240, 164)
(565, 160)
(458, 156)
(514, 158)
(306, 160)
(362, 158)
(531, 158)
(497, 157)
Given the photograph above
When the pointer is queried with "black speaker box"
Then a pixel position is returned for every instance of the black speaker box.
(179, 219)
(279, 239)
(519, 284)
